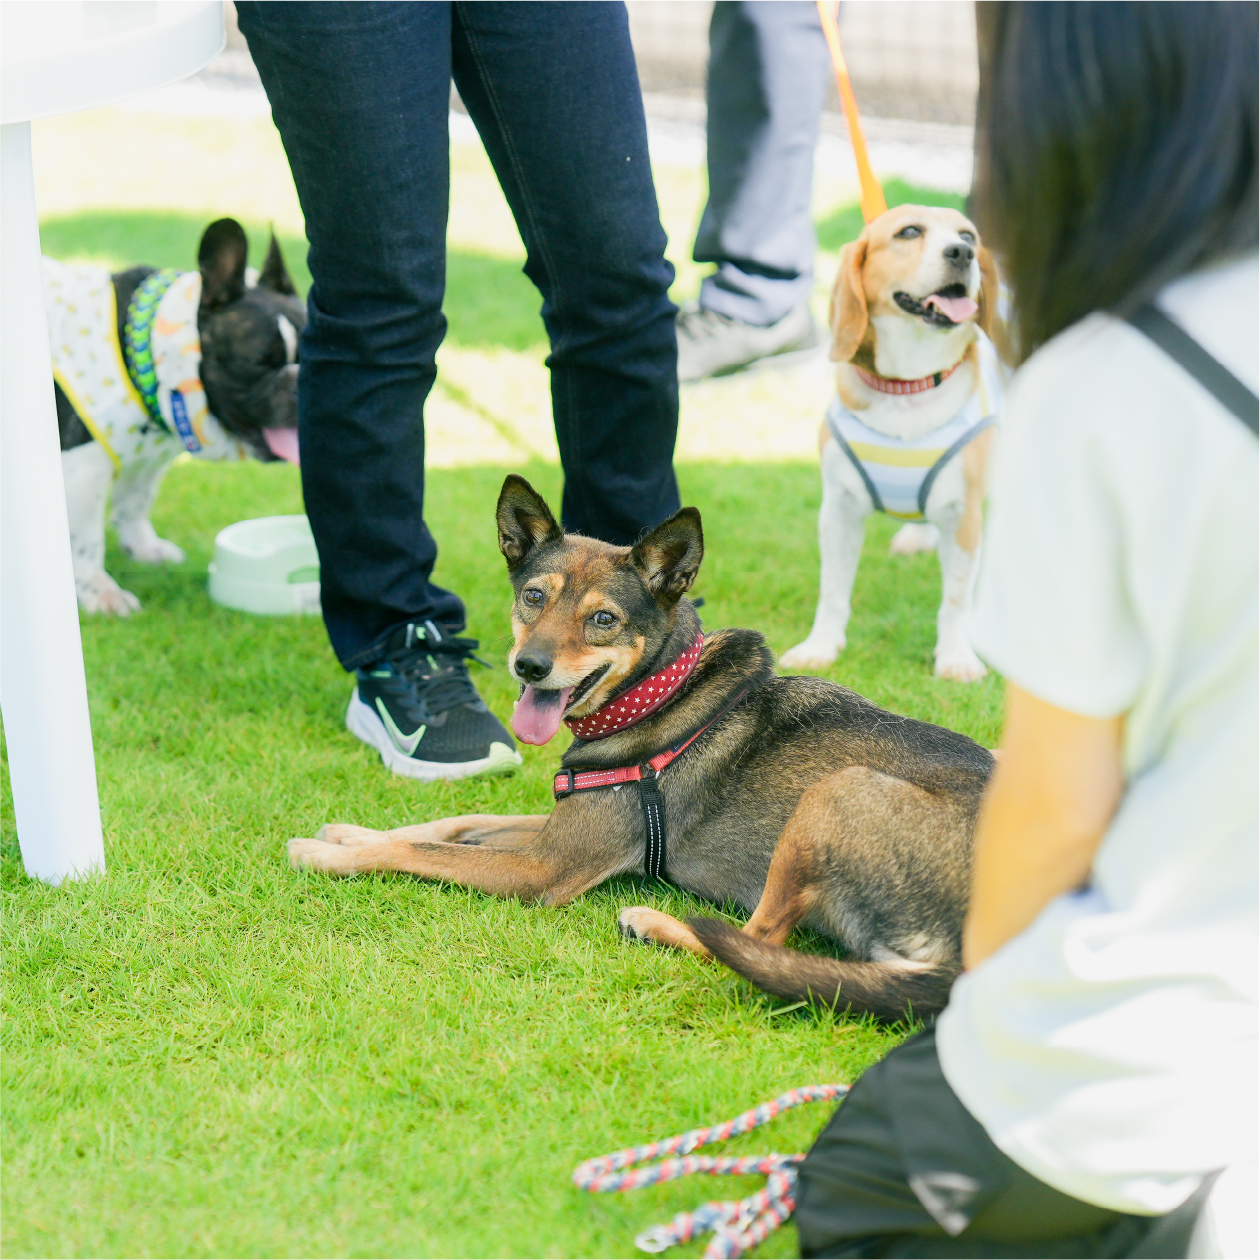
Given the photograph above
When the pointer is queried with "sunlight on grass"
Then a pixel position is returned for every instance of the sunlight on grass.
(206, 1054)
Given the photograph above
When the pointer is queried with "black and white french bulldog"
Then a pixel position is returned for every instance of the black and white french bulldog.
(148, 365)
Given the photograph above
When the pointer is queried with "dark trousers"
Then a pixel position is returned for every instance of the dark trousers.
(768, 74)
(360, 94)
(903, 1169)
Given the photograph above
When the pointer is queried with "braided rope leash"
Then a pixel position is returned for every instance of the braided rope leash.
(737, 1224)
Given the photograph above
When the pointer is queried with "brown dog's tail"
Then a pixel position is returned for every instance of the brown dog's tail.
(890, 991)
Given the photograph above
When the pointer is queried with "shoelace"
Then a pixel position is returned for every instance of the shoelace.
(444, 685)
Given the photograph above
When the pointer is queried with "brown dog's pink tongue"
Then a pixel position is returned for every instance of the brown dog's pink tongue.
(537, 715)
(953, 308)
(283, 443)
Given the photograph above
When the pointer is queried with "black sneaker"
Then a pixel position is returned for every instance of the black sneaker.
(710, 344)
(419, 709)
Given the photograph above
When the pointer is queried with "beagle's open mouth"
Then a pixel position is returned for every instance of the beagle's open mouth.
(539, 712)
(946, 308)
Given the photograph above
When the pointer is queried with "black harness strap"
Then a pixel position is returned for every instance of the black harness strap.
(653, 804)
(876, 502)
(932, 473)
(647, 776)
(1215, 377)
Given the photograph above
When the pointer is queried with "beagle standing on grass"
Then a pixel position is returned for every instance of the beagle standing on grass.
(918, 389)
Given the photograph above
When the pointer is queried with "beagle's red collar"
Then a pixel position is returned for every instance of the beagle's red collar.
(890, 385)
(643, 698)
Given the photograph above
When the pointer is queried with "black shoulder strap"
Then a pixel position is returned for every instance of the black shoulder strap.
(1182, 348)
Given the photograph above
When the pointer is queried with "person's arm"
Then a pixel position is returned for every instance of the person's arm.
(1052, 795)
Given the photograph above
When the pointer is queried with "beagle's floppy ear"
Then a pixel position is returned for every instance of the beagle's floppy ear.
(848, 302)
(524, 521)
(988, 314)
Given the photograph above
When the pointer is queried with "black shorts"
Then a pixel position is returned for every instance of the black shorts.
(903, 1169)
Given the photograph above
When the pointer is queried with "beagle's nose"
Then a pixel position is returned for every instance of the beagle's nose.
(959, 254)
(532, 668)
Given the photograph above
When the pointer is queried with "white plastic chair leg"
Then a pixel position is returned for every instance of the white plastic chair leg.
(43, 691)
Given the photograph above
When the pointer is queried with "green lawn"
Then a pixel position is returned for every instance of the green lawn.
(206, 1054)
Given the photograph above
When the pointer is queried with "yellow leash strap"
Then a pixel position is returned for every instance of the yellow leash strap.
(873, 203)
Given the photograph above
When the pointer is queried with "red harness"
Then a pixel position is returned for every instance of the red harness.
(645, 774)
(890, 385)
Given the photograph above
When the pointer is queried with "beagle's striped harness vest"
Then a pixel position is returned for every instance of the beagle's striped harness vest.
(899, 473)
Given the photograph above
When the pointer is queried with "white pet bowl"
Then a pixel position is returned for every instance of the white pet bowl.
(268, 565)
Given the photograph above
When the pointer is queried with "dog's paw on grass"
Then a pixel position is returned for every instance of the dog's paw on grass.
(652, 927)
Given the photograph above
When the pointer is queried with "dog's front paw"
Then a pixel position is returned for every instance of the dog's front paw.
(912, 538)
(314, 855)
(140, 541)
(101, 594)
(347, 834)
(812, 654)
(960, 664)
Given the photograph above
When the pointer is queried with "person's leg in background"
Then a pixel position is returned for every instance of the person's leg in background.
(903, 1169)
(360, 94)
(555, 95)
(767, 84)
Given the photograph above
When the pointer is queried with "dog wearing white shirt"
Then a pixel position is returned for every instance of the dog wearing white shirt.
(909, 432)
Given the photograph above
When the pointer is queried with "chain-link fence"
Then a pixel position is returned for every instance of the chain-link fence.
(907, 58)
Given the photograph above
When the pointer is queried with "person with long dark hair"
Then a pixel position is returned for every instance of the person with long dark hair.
(1095, 1069)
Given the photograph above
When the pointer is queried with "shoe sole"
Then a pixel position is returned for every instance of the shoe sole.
(781, 359)
(366, 725)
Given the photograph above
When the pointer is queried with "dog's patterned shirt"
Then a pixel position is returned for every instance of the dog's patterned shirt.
(88, 365)
(898, 473)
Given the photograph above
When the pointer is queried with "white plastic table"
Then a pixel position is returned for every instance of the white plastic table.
(56, 58)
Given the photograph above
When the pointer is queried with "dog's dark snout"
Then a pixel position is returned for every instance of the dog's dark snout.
(533, 668)
(959, 253)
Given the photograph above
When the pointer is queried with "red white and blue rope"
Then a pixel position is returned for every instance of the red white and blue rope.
(737, 1225)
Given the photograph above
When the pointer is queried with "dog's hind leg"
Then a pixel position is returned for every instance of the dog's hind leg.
(134, 495)
(87, 471)
(786, 899)
(846, 861)
(654, 927)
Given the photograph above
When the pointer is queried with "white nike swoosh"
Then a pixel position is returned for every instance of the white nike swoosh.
(404, 743)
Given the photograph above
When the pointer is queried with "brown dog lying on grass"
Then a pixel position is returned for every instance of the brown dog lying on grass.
(794, 797)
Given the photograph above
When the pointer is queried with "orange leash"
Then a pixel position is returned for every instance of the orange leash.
(873, 203)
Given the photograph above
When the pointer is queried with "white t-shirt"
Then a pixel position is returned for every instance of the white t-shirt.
(1110, 1049)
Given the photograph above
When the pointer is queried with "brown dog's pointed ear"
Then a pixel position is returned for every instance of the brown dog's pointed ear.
(669, 557)
(275, 275)
(988, 312)
(221, 257)
(524, 521)
(848, 303)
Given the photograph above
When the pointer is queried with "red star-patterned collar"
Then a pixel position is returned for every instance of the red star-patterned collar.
(643, 698)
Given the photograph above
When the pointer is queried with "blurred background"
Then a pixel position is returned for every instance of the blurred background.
(139, 181)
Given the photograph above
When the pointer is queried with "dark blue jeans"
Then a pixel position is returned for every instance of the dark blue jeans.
(768, 75)
(360, 94)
